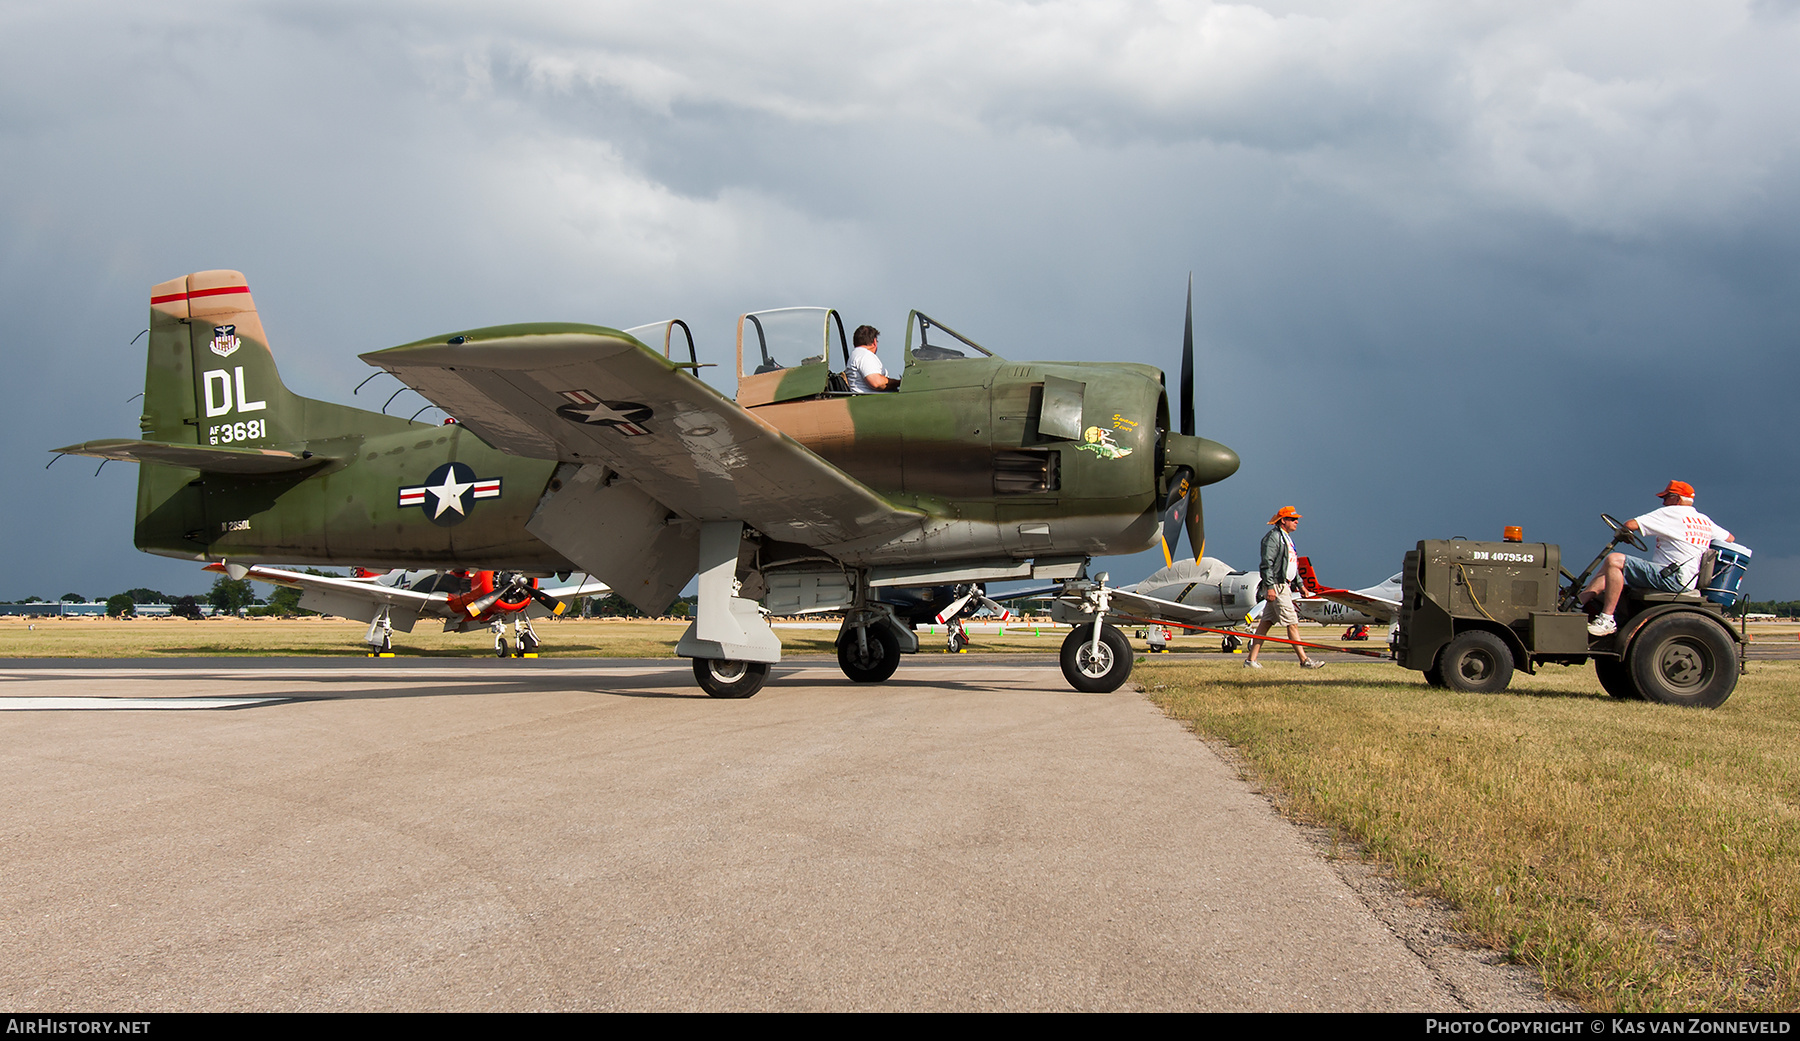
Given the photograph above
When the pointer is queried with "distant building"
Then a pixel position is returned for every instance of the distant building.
(31, 610)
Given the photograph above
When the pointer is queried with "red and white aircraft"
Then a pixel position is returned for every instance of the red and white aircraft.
(464, 600)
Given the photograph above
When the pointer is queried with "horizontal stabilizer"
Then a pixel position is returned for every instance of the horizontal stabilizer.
(205, 458)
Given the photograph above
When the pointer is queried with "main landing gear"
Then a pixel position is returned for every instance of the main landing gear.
(730, 679)
(872, 638)
(869, 653)
(1096, 657)
(523, 634)
(380, 637)
(1096, 664)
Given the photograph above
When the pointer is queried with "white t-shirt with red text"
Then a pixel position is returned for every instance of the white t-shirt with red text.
(1682, 534)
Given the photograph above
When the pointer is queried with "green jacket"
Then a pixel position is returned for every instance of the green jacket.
(1274, 562)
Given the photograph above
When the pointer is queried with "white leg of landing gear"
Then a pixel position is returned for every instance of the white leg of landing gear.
(731, 643)
(381, 634)
(1097, 660)
(527, 637)
(499, 630)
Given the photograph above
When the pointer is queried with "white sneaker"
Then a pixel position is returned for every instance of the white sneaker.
(1602, 625)
(1248, 664)
(1312, 663)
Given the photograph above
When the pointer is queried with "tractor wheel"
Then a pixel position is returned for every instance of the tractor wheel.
(1615, 679)
(1684, 659)
(1477, 662)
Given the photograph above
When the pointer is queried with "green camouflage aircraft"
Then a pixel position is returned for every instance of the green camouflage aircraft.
(584, 448)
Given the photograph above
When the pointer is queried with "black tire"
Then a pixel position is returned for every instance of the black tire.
(1093, 673)
(1230, 644)
(1435, 677)
(1684, 659)
(730, 679)
(500, 647)
(1477, 662)
(878, 664)
(1615, 679)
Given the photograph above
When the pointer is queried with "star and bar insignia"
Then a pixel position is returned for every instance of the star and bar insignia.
(627, 417)
(449, 493)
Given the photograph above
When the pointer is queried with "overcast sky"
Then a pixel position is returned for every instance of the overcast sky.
(1456, 265)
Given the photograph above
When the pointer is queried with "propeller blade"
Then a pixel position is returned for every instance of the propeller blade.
(1196, 523)
(954, 609)
(1175, 508)
(554, 606)
(1187, 364)
(981, 600)
(513, 583)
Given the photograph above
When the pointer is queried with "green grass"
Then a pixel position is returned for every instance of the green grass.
(1642, 857)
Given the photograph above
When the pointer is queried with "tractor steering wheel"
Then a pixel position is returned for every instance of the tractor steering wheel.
(1623, 534)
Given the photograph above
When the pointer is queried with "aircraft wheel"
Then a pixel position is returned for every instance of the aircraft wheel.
(730, 679)
(500, 647)
(878, 663)
(1096, 671)
(1477, 662)
(1681, 659)
(1230, 644)
(1615, 679)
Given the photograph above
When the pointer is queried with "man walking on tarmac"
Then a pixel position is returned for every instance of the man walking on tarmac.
(1280, 580)
(1683, 535)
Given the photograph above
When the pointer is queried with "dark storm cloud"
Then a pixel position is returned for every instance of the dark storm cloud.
(1456, 266)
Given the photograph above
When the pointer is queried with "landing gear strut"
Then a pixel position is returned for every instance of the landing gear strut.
(868, 654)
(523, 635)
(1096, 658)
(872, 639)
(381, 634)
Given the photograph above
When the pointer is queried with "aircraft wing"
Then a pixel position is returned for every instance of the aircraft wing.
(357, 598)
(1156, 609)
(588, 586)
(585, 394)
(1376, 607)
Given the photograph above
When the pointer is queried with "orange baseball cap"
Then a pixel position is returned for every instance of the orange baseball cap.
(1283, 514)
(1681, 488)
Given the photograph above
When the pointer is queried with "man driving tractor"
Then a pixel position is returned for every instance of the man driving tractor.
(1682, 535)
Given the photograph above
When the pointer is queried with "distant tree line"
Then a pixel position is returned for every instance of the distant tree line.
(227, 596)
(1778, 608)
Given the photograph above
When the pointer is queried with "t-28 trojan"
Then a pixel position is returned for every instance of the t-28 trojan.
(579, 448)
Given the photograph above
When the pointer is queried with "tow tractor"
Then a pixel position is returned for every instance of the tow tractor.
(1472, 612)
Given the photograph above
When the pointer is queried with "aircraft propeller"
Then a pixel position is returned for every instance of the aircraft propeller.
(978, 593)
(511, 585)
(1199, 461)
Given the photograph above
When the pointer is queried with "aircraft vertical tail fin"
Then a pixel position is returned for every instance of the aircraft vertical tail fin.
(1308, 580)
(210, 379)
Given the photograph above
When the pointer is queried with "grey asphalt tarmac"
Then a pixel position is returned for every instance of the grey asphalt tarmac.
(460, 835)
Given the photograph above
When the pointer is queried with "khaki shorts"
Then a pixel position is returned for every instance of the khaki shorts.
(1282, 610)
